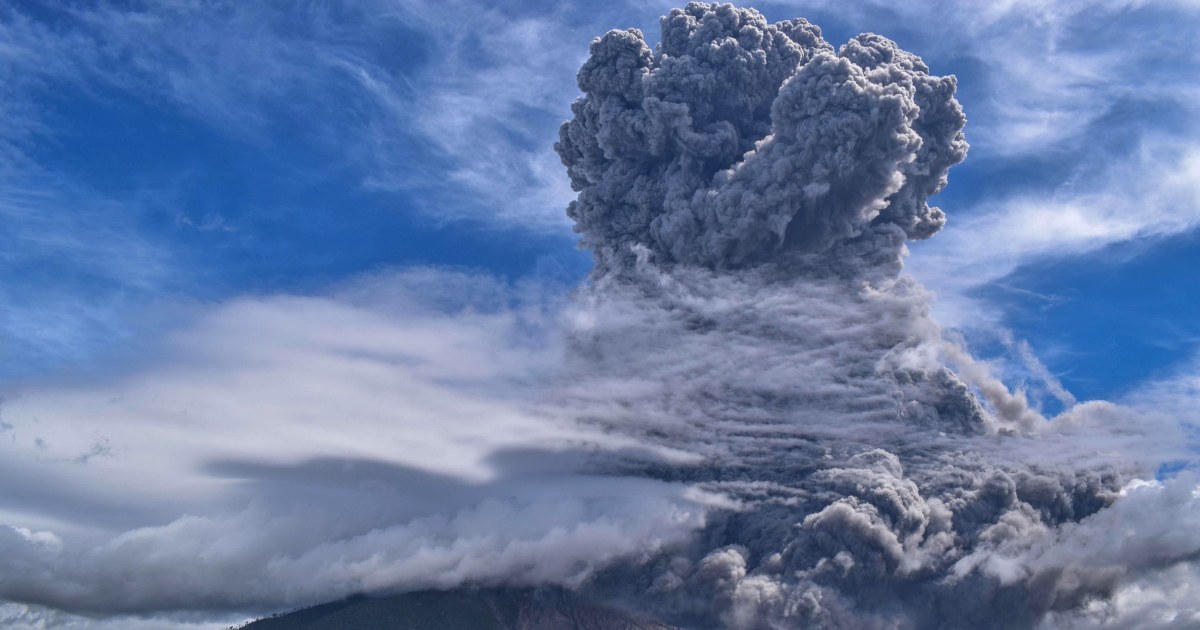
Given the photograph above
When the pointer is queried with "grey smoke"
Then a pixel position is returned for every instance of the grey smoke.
(737, 141)
(747, 192)
(753, 421)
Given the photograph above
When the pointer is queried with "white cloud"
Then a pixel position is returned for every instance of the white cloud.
(62, 244)
(1175, 393)
(491, 99)
(1166, 599)
(283, 450)
(340, 81)
(453, 98)
(1153, 194)
(1110, 547)
(23, 617)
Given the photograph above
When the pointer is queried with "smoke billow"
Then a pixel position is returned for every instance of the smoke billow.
(738, 142)
(745, 419)
(747, 192)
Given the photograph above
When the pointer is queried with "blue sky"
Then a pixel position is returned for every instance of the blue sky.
(260, 214)
(160, 157)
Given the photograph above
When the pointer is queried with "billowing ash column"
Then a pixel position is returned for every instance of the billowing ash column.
(747, 192)
(737, 141)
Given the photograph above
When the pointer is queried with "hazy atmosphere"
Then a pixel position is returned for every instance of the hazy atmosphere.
(811, 314)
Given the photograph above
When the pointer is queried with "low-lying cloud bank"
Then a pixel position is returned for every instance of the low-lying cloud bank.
(287, 450)
(745, 419)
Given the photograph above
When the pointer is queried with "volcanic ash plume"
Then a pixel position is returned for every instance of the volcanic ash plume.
(747, 418)
(739, 142)
(747, 192)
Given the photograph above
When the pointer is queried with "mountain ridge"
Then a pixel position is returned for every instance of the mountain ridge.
(546, 608)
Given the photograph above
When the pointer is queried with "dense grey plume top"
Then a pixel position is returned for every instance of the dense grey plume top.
(737, 141)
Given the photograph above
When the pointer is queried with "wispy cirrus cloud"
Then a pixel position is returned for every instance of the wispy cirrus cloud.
(447, 98)
(246, 71)
(1152, 194)
(129, 131)
(1174, 392)
(75, 267)
(492, 97)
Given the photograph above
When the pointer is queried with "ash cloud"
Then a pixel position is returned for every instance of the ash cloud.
(737, 141)
(747, 191)
(747, 418)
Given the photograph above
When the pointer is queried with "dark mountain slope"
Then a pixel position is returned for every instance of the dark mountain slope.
(463, 609)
